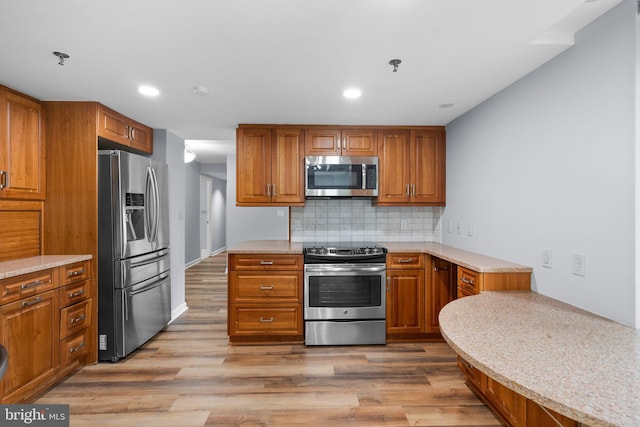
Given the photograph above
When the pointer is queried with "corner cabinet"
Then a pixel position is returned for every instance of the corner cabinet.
(269, 169)
(265, 298)
(441, 289)
(405, 295)
(412, 167)
(471, 282)
(22, 147)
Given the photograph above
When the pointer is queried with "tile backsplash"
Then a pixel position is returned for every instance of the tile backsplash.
(357, 220)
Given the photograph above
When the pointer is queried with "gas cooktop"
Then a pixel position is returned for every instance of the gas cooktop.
(343, 249)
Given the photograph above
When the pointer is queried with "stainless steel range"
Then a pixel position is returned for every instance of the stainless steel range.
(344, 294)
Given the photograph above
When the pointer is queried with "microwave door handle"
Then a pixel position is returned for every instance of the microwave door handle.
(364, 177)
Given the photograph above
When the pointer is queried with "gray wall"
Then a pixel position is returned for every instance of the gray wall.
(192, 212)
(248, 223)
(170, 149)
(550, 163)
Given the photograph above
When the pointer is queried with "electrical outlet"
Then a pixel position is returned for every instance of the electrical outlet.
(403, 224)
(297, 225)
(577, 264)
(458, 227)
(546, 258)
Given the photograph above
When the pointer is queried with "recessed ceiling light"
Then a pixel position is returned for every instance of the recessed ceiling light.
(148, 91)
(352, 93)
(446, 105)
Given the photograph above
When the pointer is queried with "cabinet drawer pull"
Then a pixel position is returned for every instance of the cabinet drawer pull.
(467, 281)
(76, 348)
(33, 284)
(405, 260)
(32, 302)
(77, 319)
(440, 268)
(266, 287)
(76, 293)
(75, 273)
(269, 320)
(266, 262)
(3, 179)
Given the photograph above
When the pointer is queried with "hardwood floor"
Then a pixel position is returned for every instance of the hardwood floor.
(188, 375)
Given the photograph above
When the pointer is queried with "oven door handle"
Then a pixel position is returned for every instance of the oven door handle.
(350, 269)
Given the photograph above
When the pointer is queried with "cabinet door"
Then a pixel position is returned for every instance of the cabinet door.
(394, 177)
(506, 402)
(140, 137)
(441, 290)
(29, 331)
(359, 142)
(537, 416)
(22, 161)
(322, 142)
(113, 126)
(405, 301)
(428, 167)
(287, 173)
(253, 166)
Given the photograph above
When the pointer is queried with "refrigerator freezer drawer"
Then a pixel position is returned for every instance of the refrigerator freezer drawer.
(135, 270)
(147, 310)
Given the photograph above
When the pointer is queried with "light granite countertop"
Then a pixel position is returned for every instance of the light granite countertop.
(569, 360)
(471, 260)
(37, 263)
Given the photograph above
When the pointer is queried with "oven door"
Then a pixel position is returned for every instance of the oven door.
(344, 291)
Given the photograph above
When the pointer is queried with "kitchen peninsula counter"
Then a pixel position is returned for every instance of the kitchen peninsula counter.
(471, 260)
(566, 359)
(37, 263)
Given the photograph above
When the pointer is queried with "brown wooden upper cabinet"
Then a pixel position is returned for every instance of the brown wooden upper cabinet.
(412, 167)
(122, 130)
(340, 142)
(22, 147)
(269, 167)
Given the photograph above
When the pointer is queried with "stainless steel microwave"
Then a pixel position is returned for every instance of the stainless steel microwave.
(341, 176)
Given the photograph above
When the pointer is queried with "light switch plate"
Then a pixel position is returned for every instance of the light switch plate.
(547, 258)
(577, 264)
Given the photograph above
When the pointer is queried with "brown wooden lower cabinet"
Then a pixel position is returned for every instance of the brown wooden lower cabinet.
(265, 298)
(44, 327)
(511, 408)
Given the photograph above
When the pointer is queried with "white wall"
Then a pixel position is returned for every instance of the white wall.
(170, 149)
(550, 163)
(249, 223)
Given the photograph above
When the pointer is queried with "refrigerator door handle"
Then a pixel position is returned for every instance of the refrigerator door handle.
(161, 255)
(161, 280)
(156, 199)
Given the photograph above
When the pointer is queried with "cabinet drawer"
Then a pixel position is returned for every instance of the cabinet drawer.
(257, 320)
(26, 285)
(467, 281)
(74, 293)
(74, 347)
(75, 318)
(75, 272)
(408, 260)
(254, 286)
(265, 262)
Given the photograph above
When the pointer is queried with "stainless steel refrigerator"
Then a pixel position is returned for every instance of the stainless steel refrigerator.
(134, 301)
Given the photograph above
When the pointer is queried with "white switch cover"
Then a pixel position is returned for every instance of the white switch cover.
(280, 213)
(577, 264)
(297, 225)
(469, 229)
(403, 224)
(546, 258)
(449, 227)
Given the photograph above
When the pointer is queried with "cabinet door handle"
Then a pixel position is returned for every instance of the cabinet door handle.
(32, 302)
(266, 287)
(77, 348)
(274, 189)
(467, 281)
(266, 262)
(33, 284)
(76, 293)
(269, 320)
(406, 192)
(388, 284)
(268, 189)
(413, 189)
(133, 133)
(75, 273)
(3, 179)
(440, 268)
(77, 319)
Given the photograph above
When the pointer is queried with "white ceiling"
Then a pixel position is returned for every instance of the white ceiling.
(281, 61)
